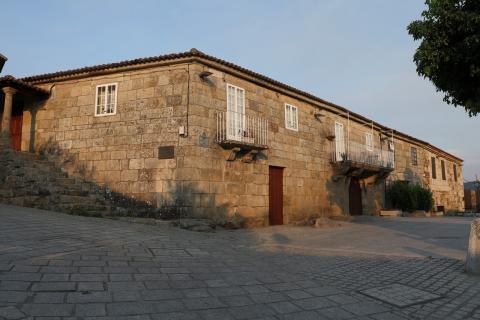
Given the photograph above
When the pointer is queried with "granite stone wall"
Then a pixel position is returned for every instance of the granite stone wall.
(122, 150)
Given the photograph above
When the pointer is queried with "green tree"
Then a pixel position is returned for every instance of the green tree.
(449, 52)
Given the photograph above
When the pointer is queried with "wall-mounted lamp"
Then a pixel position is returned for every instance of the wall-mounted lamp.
(3, 59)
(319, 116)
(204, 75)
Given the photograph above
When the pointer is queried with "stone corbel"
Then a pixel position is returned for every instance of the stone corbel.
(250, 156)
(232, 155)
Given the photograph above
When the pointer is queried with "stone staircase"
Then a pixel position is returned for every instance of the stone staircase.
(30, 181)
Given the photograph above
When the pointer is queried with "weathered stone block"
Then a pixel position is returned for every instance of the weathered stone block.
(473, 255)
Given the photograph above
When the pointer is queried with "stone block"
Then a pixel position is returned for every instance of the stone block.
(473, 254)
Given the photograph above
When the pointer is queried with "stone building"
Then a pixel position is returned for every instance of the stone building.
(212, 138)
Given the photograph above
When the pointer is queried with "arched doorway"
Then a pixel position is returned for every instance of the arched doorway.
(355, 197)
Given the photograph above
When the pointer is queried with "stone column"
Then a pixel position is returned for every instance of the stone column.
(7, 111)
(473, 255)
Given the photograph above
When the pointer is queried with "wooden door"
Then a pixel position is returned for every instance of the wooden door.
(275, 200)
(16, 130)
(355, 197)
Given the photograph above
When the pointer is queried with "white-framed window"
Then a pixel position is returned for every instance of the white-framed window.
(106, 99)
(340, 152)
(235, 112)
(369, 141)
(291, 117)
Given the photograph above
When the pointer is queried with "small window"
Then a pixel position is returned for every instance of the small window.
(442, 164)
(291, 117)
(434, 169)
(106, 100)
(413, 156)
(455, 172)
(369, 141)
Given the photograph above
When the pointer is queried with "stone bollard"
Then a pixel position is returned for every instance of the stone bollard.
(473, 255)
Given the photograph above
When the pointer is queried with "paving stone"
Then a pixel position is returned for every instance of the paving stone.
(268, 297)
(196, 293)
(284, 307)
(237, 301)
(343, 299)
(89, 297)
(13, 296)
(259, 311)
(323, 291)
(314, 303)
(90, 310)
(88, 277)
(365, 308)
(91, 286)
(11, 313)
(303, 315)
(182, 315)
(47, 310)
(216, 314)
(54, 286)
(203, 303)
(335, 313)
(297, 294)
(161, 294)
(55, 277)
(49, 297)
(14, 285)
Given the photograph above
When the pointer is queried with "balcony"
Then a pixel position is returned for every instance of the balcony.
(357, 159)
(238, 130)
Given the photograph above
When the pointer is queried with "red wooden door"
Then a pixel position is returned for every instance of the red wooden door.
(16, 130)
(275, 200)
(355, 197)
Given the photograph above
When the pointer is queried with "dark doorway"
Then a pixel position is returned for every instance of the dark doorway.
(275, 199)
(355, 197)
(16, 129)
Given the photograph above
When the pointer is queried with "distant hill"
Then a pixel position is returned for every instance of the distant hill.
(469, 185)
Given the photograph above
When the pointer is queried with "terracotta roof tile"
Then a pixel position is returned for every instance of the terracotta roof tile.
(10, 81)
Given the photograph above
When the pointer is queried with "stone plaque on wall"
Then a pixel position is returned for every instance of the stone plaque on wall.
(166, 152)
(203, 140)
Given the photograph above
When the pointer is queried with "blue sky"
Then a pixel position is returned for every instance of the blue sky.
(356, 53)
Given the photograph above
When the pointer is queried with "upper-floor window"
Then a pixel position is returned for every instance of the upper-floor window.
(106, 100)
(434, 168)
(291, 117)
(369, 141)
(442, 164)
(413, 156)
(455, 172)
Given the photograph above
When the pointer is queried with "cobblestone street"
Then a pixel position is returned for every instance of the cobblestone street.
(55, 266)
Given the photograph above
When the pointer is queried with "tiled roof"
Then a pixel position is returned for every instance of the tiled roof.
(196, 54)
(10, 81)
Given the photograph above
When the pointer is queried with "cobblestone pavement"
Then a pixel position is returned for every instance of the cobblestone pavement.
(55, 266)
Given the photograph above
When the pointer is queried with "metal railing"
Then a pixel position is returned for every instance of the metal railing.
(344, 150)
(240, 128)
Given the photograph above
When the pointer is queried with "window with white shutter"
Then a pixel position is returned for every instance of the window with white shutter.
(106, 100)
(291, 117)
(369, 141)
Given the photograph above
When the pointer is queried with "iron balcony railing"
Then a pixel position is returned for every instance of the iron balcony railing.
(239, 128)
(360, 153)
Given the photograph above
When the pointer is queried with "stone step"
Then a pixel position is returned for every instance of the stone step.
(75, 208)
(65, 182)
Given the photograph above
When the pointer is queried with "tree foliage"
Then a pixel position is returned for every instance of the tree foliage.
(449, 52)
